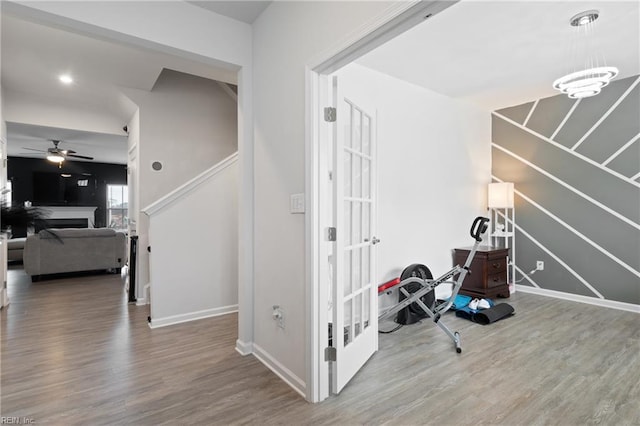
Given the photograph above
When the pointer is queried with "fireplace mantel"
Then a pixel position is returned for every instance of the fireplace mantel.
(71, 212)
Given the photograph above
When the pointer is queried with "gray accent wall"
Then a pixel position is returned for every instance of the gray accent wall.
(576, 169)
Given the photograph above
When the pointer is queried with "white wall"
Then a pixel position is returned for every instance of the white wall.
(188, 124)
(28, 109)
(286, 38)
(433, 167)
(194, 257)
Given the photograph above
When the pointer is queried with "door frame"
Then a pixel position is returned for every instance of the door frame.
(395, 20)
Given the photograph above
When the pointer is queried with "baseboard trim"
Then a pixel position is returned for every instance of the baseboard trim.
(4, 298)
(141, 301)
(244, 348)
(280, 370)
(613, 304)
(192, 316)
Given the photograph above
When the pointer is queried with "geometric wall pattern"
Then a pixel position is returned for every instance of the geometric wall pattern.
(576, 169)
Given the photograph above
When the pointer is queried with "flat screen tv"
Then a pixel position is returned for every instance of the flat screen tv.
(63, 189)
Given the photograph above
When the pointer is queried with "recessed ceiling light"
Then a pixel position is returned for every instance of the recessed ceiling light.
(66, 79)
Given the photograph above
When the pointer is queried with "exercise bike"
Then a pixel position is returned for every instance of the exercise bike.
(426, 285)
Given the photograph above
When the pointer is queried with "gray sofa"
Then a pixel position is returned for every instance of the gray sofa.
(15, 248)
(54, 251)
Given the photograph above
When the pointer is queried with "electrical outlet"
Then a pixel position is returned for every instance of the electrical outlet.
(540, 265)
(278, 315)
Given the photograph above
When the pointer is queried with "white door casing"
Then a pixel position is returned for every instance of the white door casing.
(355, 307)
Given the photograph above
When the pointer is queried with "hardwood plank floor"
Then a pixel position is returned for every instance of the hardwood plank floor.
(73, 352)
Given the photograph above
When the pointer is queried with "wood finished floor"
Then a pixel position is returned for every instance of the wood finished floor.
(73, 352)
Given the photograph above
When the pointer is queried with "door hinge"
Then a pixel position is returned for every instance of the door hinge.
(330, 354)
(331, 234)
(330, 114)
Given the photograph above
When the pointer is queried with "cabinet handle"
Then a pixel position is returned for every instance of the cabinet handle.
(496, 265)
(495, 280)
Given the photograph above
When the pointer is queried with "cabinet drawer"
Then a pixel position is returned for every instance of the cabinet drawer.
(495, 280)
(496, 265)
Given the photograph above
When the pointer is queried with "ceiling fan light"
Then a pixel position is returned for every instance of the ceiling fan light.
(65, 79)
(55, 158)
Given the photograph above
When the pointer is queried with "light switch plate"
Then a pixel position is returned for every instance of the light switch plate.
(296, 203)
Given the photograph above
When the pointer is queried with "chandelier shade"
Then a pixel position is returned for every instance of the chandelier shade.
(585, 83)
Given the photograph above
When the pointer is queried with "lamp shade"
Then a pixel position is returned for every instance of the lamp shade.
(500, 195)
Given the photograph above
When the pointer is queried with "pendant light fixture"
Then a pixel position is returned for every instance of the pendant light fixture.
(595, 74)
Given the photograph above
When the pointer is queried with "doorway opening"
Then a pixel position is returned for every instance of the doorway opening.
(341, 228)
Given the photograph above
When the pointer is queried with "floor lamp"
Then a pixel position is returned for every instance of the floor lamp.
(502, 231)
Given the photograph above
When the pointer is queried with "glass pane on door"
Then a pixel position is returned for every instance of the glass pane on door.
(356, 223)
(366, 270)
(357, 176)
(347, 126)
(366, 135)
(357, 130)
(366, 221)
(347, 272)
(348, 314)
(355, 267)
(348, 191)
(357, 315)
(366, 178)
(347, 222)
(366, 315)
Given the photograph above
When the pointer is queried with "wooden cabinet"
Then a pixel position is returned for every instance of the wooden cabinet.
(488, 272)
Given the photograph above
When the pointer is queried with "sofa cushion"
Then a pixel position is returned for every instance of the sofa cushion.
(57, 233)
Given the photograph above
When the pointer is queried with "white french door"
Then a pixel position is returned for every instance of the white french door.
(354, 295)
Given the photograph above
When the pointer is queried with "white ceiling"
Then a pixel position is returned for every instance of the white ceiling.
(34, 55)
(502, 53)
(240, 10)
(105, 148)
(494, 54)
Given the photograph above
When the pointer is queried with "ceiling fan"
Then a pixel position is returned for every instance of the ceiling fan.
(57, 155)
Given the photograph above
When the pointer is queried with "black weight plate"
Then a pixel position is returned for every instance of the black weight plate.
(413, 313)
(416, 270)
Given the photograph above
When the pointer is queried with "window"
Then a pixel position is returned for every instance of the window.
(8, 194)
(117, 206)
